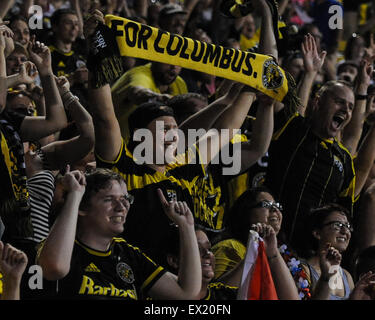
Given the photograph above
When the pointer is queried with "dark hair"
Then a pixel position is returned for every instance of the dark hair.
(58, 14)
(180, 104)
(146, 113)
(342, 65)
(17, 18)
(365, 262)
(237, 222)
(315, 221)
(97, 180)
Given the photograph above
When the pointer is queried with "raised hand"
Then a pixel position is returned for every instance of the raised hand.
(91, 22)
(365, 288)
(74, 181)
(12, 262)
(369, 54)
(370, 109)
(28, 73)
(62, 84)
(312, 60)
(5, 32)
(365, 73)
(40, 54)
(328, 257)
(177, 211)
(268, 235)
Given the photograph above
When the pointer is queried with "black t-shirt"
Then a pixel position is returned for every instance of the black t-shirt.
(64, 63)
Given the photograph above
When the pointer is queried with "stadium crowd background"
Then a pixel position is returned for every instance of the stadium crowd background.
(315, 161)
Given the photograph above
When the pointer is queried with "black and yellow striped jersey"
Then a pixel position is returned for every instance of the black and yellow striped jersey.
(147, 226)
(220, 291)
(305, 171)
(123, 272)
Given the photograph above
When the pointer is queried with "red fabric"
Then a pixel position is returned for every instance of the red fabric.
(261, 285)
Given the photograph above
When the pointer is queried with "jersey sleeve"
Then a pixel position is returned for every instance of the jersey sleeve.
(147, 271)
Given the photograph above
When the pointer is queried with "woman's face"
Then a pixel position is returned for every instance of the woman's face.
(266, 212)
(335, 230)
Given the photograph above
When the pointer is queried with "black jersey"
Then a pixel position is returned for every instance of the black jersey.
(123, 273)
(306, 171)
(147, 226)
(64, 63)
(220, 291)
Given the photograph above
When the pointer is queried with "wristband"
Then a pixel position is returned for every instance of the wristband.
(361, 96)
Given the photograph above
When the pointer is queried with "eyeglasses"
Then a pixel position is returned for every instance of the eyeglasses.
(129, 197)
(337, 225)
(126, 200)
(268, 205)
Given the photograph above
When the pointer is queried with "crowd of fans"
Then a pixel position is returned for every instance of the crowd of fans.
(75, 201)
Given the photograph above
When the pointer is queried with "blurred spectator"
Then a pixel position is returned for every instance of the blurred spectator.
(151, 82)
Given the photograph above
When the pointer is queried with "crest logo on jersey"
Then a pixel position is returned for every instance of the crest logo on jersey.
(125, 272)
(272, 76)
(172, 195)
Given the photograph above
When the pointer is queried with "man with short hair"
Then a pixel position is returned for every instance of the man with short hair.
(65, 61)
(308, 166)
(83, 252)
(14, 61)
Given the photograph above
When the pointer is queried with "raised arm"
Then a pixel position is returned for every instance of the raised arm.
(208, 116)
(27, 75)
(5, 6)
(75, 5)
(3, 71)
(313, 62)
(267, 41)
(34, 128)
(353, 130)
(225, 127)
(364, 160)
(108, 138)
(12, 265)
(261, 134)
(283, 280)
(56, 252)
(60, 153)
(328, 257)
(189, 281)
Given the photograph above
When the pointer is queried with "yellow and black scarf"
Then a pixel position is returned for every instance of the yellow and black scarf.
(15, 200)
(124, 37)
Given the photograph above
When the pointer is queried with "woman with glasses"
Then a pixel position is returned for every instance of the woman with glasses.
(330, 233)
(256, 209)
